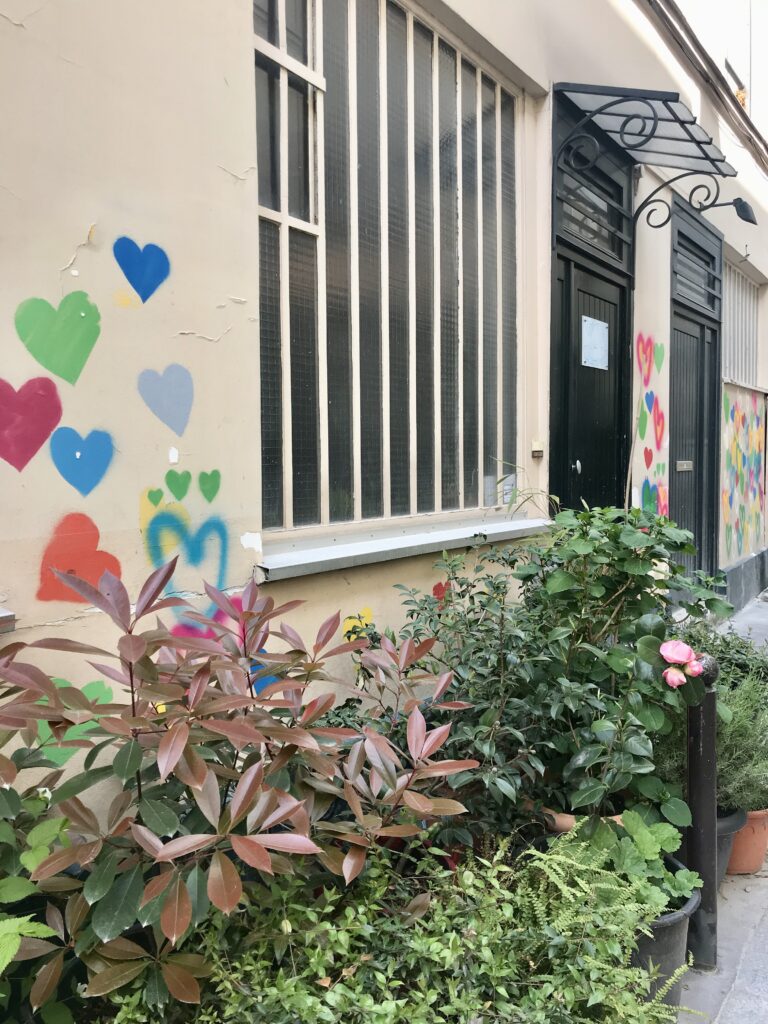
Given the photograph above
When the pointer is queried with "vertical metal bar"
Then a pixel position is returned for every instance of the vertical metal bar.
(322, 322)
(437, 361)
(411, 143)
(386, 455)
(702, 835)
(499, 310)
(480, 297)
(460, 267)
(285, 306)
(354, 264)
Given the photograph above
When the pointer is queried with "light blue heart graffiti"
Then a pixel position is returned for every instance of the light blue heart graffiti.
(193, 544)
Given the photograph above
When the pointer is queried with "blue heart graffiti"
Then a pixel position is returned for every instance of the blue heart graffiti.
(82, 461)
(145, 269)
(194, 544)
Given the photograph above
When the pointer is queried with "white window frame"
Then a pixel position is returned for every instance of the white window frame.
(288, 537)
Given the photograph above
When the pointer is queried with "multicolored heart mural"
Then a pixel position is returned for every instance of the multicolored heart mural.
(645, 355)
(658, 424)
(178, 483)
(145, 269)
(168, 526)
(74, 548)
(209, 484)
(169, 395)
(27, 418)
(60, 339)
(82, 461)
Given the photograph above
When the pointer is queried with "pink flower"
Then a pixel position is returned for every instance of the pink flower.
(675, 652)
(673, 677)
(693, 668)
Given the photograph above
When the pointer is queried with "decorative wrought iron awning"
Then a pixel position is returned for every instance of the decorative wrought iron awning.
(652, 127)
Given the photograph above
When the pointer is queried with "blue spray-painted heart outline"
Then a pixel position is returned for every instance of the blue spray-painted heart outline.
(145, 269)
(649, 498)
(193, 544)
(82, 461)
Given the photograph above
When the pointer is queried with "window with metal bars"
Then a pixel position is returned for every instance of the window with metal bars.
(740, 326)
(385, 160)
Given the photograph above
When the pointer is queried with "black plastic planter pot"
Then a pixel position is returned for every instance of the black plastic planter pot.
(666, 947)
(728, 824)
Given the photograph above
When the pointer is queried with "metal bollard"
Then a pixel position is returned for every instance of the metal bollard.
(702, 835)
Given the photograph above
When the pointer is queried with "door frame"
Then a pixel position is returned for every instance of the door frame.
(559, 395)
(712, 239)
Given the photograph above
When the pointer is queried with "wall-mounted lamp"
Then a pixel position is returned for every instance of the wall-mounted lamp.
(743, 210)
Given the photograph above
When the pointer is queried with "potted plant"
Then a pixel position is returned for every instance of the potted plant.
(742, 761)
(642, 851)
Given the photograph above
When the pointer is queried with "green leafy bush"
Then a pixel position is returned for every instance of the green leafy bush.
(556, 646)
(545, 940)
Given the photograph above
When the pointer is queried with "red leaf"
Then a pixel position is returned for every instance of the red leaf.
(132, 648)
(58, 861)
(417, 730)
(245, 792)
(250, 850)
(71, 646)
(222, 601)
(181, 984)
(91, 595)
(171, 748)
(327, 630)
(146, 839)
(435, 740)
(316, 708)
(239, 732)
(354, 862)
(183, 845)
(114, 590)
(417, 802)
(199, 684)
(445, 768)
(8, 771)
(224, 885)
(208, 798)
(176, 914)
(155, 886)
(288, 842)
(153, 586)
(191, 769)
(46, 980)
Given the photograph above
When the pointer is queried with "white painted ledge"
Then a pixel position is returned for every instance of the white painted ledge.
(297, 559)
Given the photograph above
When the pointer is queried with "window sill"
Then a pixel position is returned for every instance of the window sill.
(288, 561)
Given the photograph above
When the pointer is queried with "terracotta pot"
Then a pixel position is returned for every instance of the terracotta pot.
(750, 845)
(559, 821)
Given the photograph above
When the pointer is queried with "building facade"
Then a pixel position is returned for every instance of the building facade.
(316, 289)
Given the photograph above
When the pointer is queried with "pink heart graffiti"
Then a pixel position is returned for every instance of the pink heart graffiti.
(645, 357)
(658, 423)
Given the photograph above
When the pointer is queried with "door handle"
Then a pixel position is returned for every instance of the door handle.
(577, 466)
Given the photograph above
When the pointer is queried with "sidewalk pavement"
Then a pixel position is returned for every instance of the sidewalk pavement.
(737, 991)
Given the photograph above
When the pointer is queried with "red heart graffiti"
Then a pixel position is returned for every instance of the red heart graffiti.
(648, 455)
(645, 357)
(27, 418)
(658, 424)
(74, 549)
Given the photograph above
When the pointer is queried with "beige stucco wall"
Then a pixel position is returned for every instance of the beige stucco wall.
(135, 118)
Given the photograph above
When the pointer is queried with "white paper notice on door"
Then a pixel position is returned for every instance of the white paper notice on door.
(594, 343)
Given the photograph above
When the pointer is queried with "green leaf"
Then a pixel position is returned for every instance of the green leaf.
(628, 860)
(584, 758)
(78, 783)
(31, 859)
(648, 650)
(197, 885)
(99, 881)
(650, 786)
(10, 803)
(604, 730)
(15, 888)
(45, 833)
(639, 746)
(505, 787)
(56, 1013)
(7, 835)
(668, 836)
(117, 911)
(589, 794)
(9, 947)
(677, 811)
(159, 817)
(128, 760)
(559, 581)
(651, 716)
(651, 625)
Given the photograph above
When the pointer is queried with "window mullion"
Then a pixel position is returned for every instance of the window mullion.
(499, 307)
(480, 294)
(386, 454)
(285, 306)
(411, 173)
(437, 402)
(284, 60)
(354, 265)
(322, 321)
(460, 293)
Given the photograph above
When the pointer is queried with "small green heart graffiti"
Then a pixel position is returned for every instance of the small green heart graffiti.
(155, 495)
(209, 484)
(642, 421)
(178, 483)
(658, 356)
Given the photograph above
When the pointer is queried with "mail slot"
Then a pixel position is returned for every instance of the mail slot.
(684, 466)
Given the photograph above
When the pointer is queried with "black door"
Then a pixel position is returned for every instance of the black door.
(693, 421)
(589, 373)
